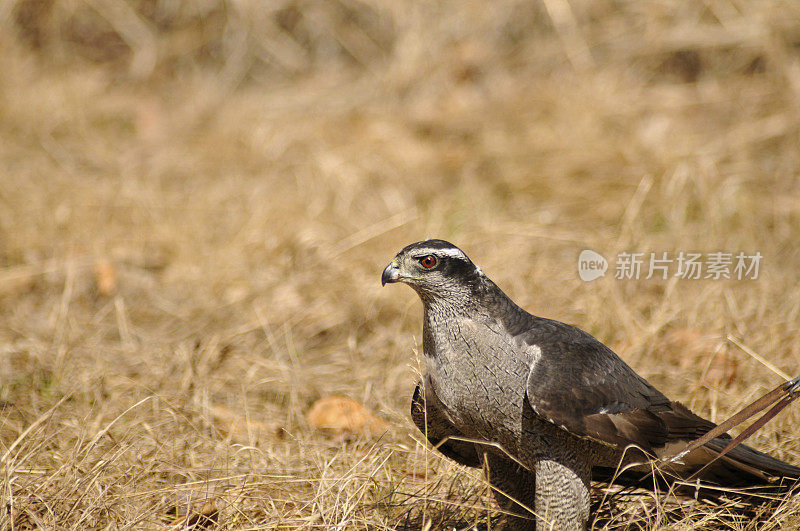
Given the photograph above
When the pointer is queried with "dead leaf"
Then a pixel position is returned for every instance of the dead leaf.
(339, 414)
(722, 371)
(105, 276)
(202, 518)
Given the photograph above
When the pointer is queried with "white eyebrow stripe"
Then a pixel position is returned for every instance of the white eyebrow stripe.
(450, 253)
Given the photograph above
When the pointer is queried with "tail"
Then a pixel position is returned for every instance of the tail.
(751, 465)
(735, 464)
(742, 473)
(729, 463)
(748, 483)
(744, 467)
(715, 465)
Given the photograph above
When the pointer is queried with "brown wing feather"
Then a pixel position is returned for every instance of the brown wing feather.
(584, 387)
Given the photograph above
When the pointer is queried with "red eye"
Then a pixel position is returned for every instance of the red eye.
(428, 262)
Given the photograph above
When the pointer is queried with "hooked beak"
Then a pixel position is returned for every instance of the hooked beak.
(390, 274)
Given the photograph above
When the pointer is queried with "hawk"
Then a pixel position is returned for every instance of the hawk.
(543, 406)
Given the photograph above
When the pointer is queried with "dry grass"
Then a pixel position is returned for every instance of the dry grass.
(198, 198)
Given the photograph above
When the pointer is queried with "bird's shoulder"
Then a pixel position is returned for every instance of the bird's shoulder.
(574, 361)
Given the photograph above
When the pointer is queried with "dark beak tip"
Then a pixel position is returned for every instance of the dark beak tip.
(389, 275)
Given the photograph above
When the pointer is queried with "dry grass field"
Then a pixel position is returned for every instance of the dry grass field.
(197, 200)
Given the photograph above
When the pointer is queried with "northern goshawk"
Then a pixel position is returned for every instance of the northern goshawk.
(543, 406)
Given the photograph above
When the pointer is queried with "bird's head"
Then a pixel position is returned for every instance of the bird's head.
(434, 268)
